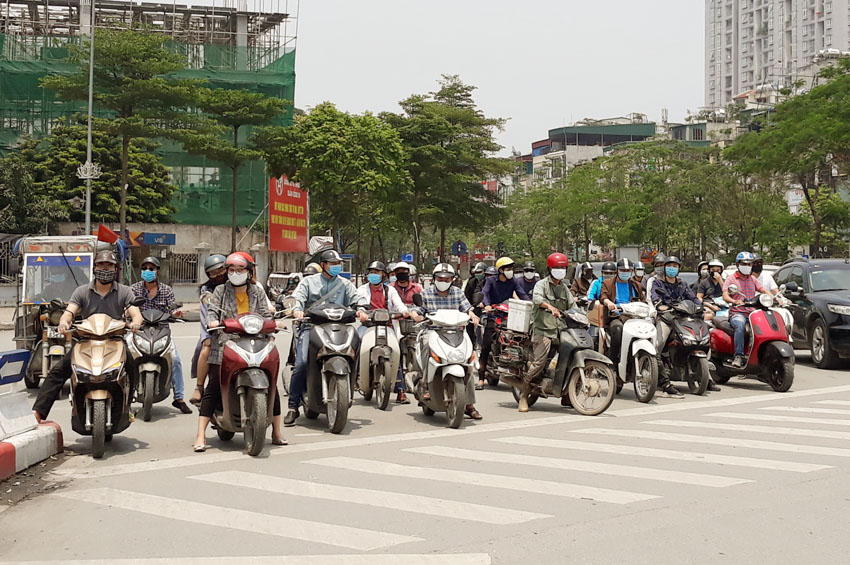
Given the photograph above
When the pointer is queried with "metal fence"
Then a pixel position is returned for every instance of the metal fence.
(183, 267)
(5, 255)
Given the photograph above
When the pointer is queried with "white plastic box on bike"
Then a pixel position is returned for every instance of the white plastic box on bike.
(519, 315)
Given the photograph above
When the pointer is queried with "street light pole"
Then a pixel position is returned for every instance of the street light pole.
(88, 133)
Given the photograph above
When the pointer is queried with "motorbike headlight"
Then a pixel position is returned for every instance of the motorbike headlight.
(252, 324)
(159, 345)
(766, 300)
(455, 356)
(142, 344)
(55, 317)
(689, 340)
(839, 309)
(705, 340)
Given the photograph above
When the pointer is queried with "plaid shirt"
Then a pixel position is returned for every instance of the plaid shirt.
(163, 301)
(454, 300)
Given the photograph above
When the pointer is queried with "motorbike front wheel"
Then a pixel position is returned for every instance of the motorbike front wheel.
(147, 403)
(697, 375)
(98, 428)
(385, 386)
(595, 395)
(646, 379)
(257, 421)
(455, 401)
(780, 372)
(338, 395)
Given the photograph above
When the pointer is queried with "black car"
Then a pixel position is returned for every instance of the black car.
(821, 307)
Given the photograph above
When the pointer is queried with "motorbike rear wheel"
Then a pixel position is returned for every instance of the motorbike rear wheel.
(532, 398)
(98, 428)
(385, 386)
(147, 403)
(697, 375)
(455, 401)
(339, 393)
(596, 396)
(257, 421)
(646, 379)
(224, 435)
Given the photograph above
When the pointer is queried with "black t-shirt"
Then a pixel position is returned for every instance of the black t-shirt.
(710, 289)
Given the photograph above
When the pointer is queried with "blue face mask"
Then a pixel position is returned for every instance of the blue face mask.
(374, 278)
(148, 276)
(624, 276)
(671, 271)
(393, 279)
(334, 270)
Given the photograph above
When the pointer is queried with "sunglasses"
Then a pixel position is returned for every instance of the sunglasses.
(149, 268)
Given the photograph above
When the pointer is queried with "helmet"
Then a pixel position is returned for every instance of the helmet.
(529, 266)
(701, 265)
(106, 256)
(586, 266)
(444, 269)
(490, 272)
(377, 266)
(238, 259)
(640, 267)
(672, 259)
(716, 263)
(247, 257)
(625, 265)
(609, 267)
(479, 268)
(213, 262)
(152, 260)
(744, 256)
(400, 265)
(412, 270)
(504, 262)
(331, 256)
(557, 260)
(757, 258)
(312, 269)
(391, 266)
(659, 260)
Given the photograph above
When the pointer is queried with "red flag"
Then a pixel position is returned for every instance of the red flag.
(106, 234)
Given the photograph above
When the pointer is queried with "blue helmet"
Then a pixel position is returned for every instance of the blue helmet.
(744, 256)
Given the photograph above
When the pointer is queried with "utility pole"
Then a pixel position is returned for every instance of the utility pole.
(89, 170)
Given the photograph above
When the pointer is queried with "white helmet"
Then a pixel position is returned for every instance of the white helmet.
(401, 265)
(443, 269)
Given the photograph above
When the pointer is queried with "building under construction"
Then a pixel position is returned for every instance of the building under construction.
(244, 44)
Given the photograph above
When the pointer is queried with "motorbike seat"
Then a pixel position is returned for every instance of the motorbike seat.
(725, 326)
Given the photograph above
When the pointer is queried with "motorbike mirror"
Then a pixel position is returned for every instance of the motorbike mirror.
(205, 297)
(417, 300)
(733, 289)
(137, 301)
(177, 306)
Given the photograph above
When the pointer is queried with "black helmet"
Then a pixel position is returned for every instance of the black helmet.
(640, 267)
(673, 259)
(609, 267)
(659, 260)
(479, 268)
(312, 269)
(757, 258)
(490, 271)
(213, 262)
(586, 266)
(377, 266)
(106, 256)
(625, 265)
(529, 266)
(152, 260)
(331, 256)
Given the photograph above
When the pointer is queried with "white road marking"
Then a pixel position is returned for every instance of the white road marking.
(69, 469)
(777, 418)
(772, 430)
(243, 520)
(833, 402)
(807, 410)
(735, 460)
(352, 559)
(521, 484)
(723, 441)
(589, 467)
(381, 499)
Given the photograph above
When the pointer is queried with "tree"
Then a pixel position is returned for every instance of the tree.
(135, 92)
(25, 208)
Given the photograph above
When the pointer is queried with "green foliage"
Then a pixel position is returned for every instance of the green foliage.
(26, 208)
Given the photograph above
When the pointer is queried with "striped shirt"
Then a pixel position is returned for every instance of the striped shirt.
(748, 287)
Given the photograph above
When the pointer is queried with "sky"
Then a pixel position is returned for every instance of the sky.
(541, 64)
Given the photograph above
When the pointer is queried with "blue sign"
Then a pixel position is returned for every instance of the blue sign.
(407, 257)
(13, 365)
(458, 248)
(159, 238)
(58, 260)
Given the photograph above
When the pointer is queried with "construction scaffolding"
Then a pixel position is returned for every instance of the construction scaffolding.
(233, 44)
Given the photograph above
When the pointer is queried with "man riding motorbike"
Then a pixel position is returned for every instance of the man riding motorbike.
(657, 268)
(764, 277)
(475, 285)
(667, 291)
(639, 274)
(216, 274)
(160, 296)
(529, 277)
(616, 291)
(747, 288)
(551, 297)
(404, 285)
(583, 279)
(710, 288)
(609, 271)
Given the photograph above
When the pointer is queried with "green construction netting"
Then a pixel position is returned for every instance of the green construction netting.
(205, 192)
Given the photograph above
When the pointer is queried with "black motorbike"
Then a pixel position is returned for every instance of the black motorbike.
(685, 354)
(52, 346)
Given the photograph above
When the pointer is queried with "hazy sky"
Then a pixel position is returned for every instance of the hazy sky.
(540, 63)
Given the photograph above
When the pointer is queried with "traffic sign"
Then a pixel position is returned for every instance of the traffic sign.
(407, 257)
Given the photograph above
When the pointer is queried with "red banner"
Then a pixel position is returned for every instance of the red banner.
(288, 216)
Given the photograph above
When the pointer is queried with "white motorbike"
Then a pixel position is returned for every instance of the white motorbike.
(379, 358)
(638, 354)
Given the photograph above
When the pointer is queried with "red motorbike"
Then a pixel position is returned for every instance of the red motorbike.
(767, 352)
(249, 371)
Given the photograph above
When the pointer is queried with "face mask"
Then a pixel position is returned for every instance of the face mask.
(605, 276)
(587, 275)
(148, 276)
(443, 286)
(757, 269)
(105, 277)
(403, 277)
(528, 276)
(393, 279)
(334, 270)
(703, 274)
(559, 274)
(374, 278)
(215, 281)
(479, 276)
(238, 279)
(745, 270)
(508, 274)
(624, 276)
(671, 271)
(640, 274)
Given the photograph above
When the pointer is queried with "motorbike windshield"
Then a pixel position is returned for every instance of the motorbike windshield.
(50, 275)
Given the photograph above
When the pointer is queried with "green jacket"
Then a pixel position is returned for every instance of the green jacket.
(542, 321)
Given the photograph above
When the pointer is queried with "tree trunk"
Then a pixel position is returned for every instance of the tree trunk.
(381, 246)
(336, 234)
(586, 240)
(125, 178)
(817, 224)
(443, 244)
(416, 238)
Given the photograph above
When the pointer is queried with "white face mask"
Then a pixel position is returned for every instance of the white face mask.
(745, 270)
(528, 276)
(559, 274)
(238, 279)
(443, 286)
(508, 274)
(640, 273)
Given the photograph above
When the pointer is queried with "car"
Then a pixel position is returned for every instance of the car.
(820, 306)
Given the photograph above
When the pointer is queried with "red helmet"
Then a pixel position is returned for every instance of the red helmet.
(557, 260)
(240, 259)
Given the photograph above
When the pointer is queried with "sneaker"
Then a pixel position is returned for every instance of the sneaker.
(712, 386)
(671, 392)
(738, 363)
(182, 406)
(402, 398)
(291, 416)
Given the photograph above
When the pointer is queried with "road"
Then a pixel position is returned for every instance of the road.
(743, 475)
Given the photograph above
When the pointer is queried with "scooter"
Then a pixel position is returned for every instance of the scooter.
(53, 345)
(511, 350)
(443, 365)
(152, 350)
(379, 358)
(766, 349)
(249, 368)
(100, 384)
(580, 376)
(685, 354)
(638, 363)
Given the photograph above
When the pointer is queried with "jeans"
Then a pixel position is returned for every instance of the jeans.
(739, 322)
(177, 376)
(298, 380)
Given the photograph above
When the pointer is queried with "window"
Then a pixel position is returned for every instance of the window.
(781, 276)
(697, 134)
(827, 7)
(797, 276)
(828, 23)
(828, 39)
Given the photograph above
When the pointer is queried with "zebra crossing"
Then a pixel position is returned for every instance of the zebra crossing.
(613, 463)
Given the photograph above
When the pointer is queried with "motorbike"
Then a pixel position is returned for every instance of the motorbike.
(249, 369)
(498, 318)
(579, 375)
(767, 352)
(511, 349)
(379, 358)
(53, 344)
(638, 362)
(443, 365)
(152, 350)
(685, 355)
(100, 383)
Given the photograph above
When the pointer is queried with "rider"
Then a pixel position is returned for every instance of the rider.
(764, 277)
(584, 278)
(748, 286)
(328, 287)
(311, 269)
(657, 267)
(475, 285)
(216, 275)
(404, 285)
(445, 296)
(609, 271)
(496, 291)
(160, 296)
(616, 291)
(391, 276)
(103, 295)
(551, 297)
(710, 288)
(667, 291)
(239, 295)
(489, 273)
(640, 274)
(529, 277)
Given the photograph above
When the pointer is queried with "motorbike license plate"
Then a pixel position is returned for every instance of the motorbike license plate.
(53, 333)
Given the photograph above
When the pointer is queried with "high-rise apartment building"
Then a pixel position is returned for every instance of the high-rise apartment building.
(749, 43)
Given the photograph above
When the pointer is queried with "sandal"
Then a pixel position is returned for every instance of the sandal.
(479, 386)
(196, 396)
(199, 448)
(281, 441)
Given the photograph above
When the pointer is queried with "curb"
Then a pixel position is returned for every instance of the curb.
(26, 449)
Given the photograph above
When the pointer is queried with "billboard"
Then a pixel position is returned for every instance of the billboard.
(289, 213)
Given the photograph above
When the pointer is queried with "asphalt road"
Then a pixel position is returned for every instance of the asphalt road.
(743, 475)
